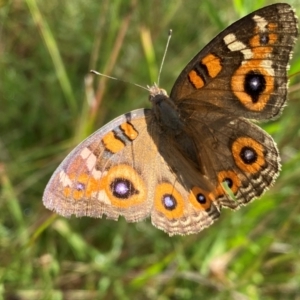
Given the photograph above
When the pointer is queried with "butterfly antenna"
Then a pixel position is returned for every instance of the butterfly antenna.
(114, 78)
(163, 59)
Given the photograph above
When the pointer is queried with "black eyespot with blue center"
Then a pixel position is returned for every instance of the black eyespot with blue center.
(122, 188)
(169, 202)
(201, 198)
(264, 39)
(254, 85)
(248, 155)
(80, 186)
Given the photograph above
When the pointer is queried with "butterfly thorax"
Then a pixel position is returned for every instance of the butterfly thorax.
(165, 111)
(174, 130)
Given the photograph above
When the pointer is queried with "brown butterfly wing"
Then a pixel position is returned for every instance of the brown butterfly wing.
(241, 74)
(134, 168)
(104, 174)
(243, 70)
(238, 153)
(184, 199)
(127, 168)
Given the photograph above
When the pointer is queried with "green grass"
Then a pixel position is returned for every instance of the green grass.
(47, 107)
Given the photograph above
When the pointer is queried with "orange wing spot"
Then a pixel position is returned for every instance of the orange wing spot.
(130, 132)
(238, 83)
(67, 191)
(196, 80)
(272, 26)
(237, 148)
(273, 37)
(83, 186)
(129, 175)
(222, 176)
(262, 52)
(162, 190)
(255, 41)
(213, 65)
(209, 197)
(111, 143)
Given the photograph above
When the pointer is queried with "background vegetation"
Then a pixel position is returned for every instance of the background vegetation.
(47, 106)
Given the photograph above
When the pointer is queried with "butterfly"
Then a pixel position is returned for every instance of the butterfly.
(195, 151)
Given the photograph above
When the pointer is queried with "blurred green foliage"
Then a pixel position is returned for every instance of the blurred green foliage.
(46, 107)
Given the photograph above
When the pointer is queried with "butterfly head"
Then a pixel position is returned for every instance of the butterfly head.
(157, 94)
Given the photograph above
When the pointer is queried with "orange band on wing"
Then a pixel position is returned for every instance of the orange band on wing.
(213, 65)
(196, 80)
(130, 132)
(111, 143)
